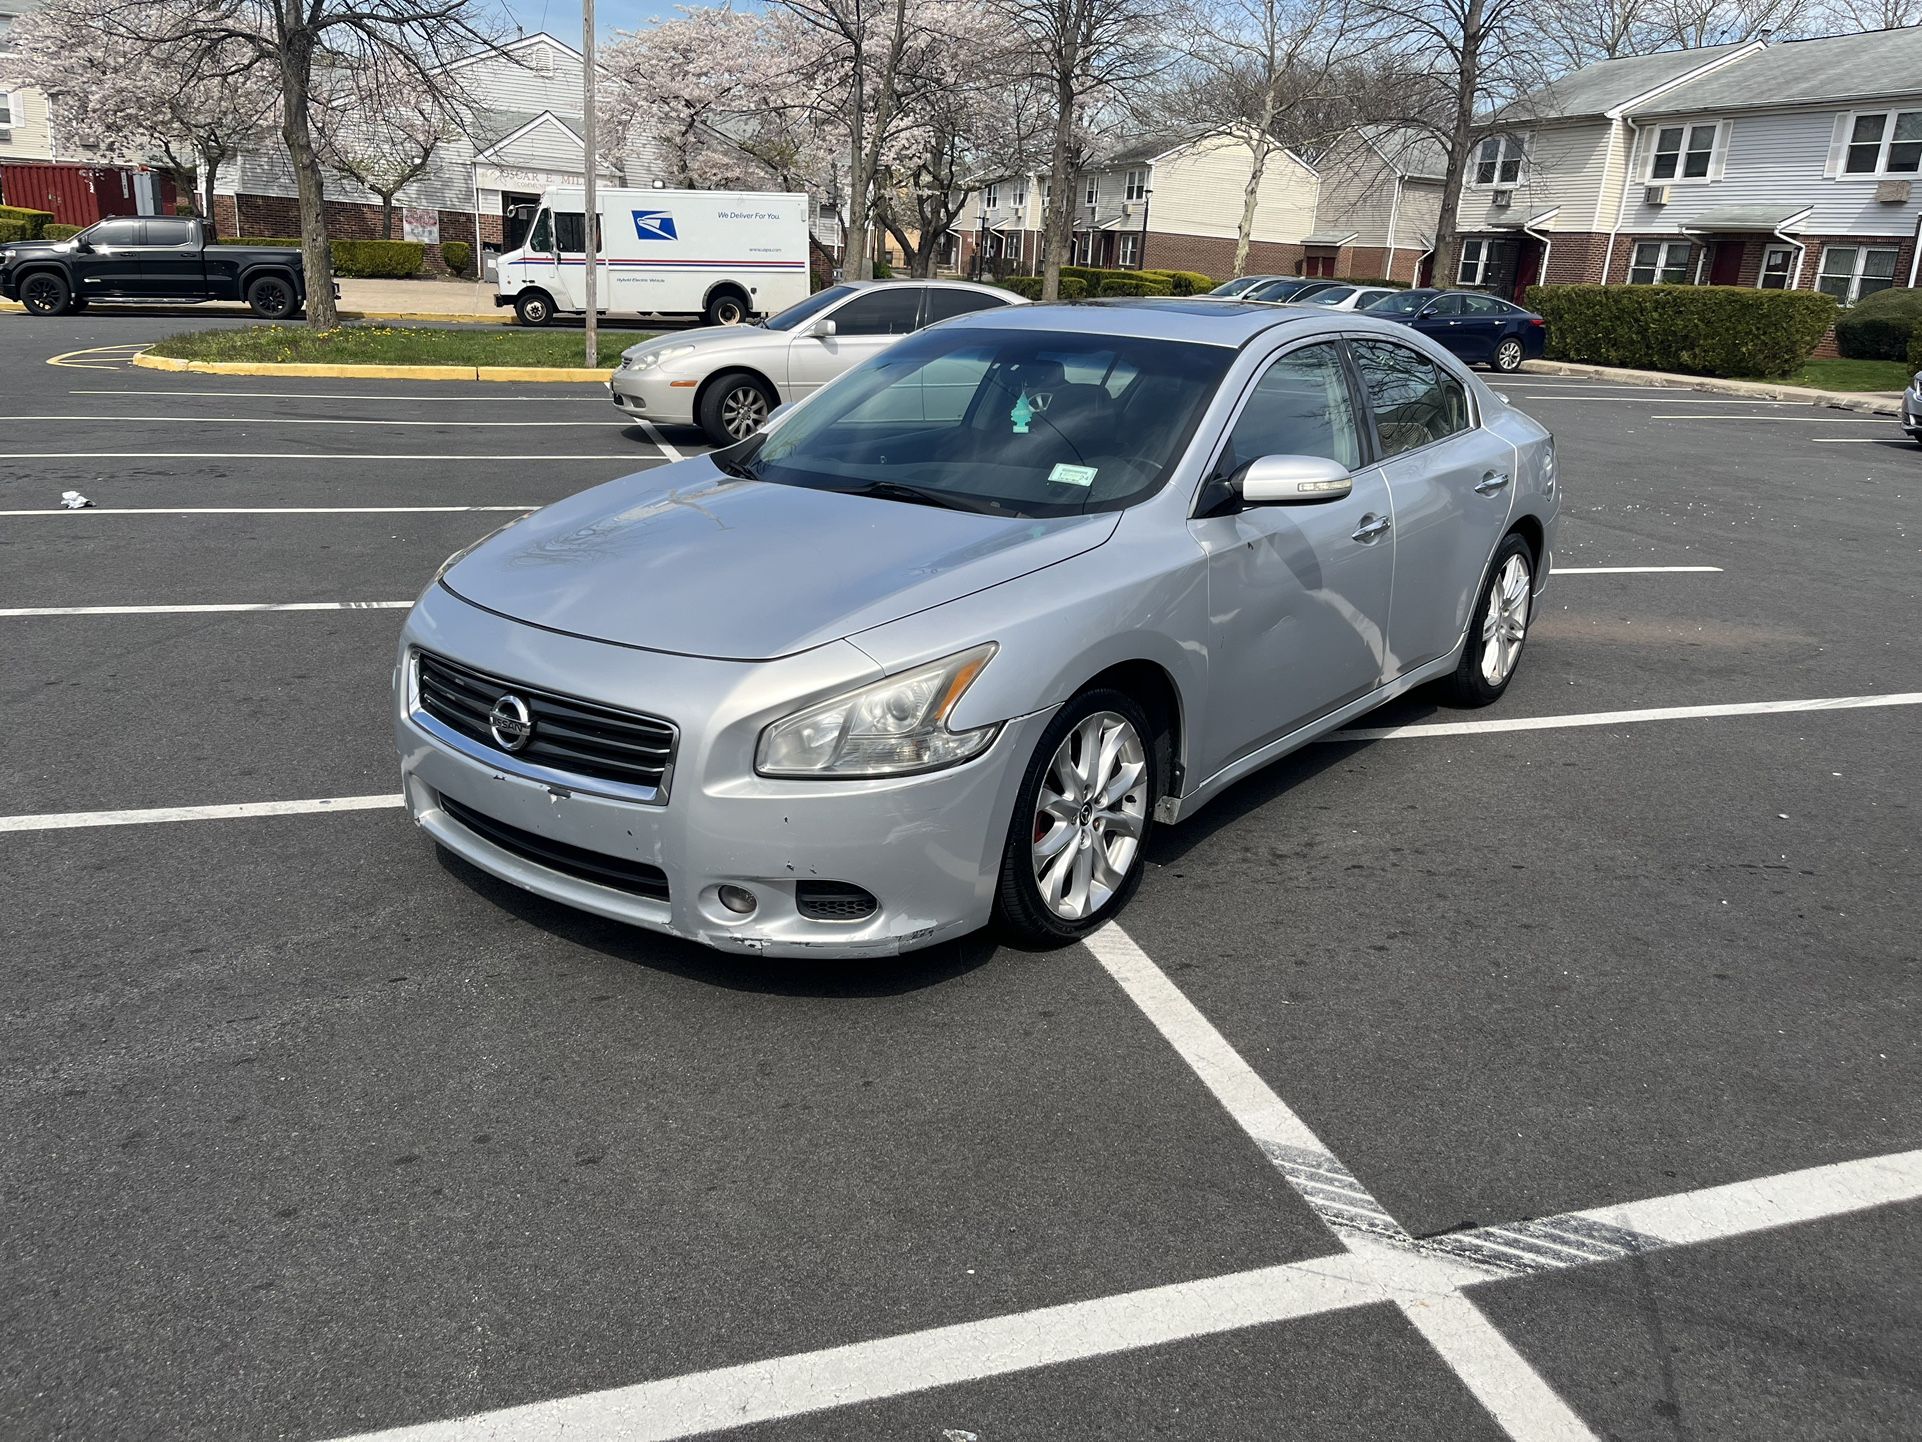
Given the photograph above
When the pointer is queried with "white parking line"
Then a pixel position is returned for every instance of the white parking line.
(320, 421)
(1888, 440)
(1620, 718)
(261, 510)
(74, 820)
(1634, 570)
(1667, 400)
(1427, 1288)
(648, 429)
(20, 612)
(1808, 420)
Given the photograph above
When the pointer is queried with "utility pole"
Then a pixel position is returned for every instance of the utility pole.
(592, 217)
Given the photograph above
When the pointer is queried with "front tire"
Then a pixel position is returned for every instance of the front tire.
(271, 298)
(734, 407)
(726, 309)
(1509, 355)
(1077, 843)
(46, 293)
(533, 308)
(1493, 649)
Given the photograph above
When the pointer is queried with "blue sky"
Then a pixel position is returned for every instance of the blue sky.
(563, 17)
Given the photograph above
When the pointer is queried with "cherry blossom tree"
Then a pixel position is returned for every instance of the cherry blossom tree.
(122, 100)
(379, 126)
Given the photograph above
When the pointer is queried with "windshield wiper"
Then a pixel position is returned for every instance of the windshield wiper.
(728, 466)
(917, 495)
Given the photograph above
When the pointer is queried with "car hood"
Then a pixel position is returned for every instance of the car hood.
(711, 337)
(689, 561)
(28, 249)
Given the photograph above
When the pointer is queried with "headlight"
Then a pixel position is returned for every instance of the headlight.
(894, 727)
(448, 564)
(647, 359)
(1915, 382)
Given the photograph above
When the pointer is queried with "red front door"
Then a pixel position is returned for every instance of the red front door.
(1725, 263)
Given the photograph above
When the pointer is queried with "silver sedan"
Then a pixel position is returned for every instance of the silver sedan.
(727, 378)
(946, 643)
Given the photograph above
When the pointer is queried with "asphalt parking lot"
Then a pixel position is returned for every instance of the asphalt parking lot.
(1548, 1071)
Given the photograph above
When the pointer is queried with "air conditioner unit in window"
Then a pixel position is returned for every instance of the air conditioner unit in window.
(1892, 192)
(1655, 195)
(1502, 199)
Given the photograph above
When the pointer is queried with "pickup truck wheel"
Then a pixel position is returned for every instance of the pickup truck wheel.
(532, 307)
(271, 297)
(46, 293)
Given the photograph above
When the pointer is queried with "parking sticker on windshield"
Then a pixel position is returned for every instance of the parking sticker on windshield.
(1069, 475)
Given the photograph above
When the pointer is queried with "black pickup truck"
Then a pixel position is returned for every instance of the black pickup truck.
(149, 259)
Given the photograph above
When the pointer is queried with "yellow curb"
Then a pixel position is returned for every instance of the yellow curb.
(306, 371)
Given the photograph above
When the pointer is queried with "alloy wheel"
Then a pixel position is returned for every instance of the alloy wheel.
(1508, 355)
(1089, 816)
(743, 411)
(42, 294)
(1505, 623)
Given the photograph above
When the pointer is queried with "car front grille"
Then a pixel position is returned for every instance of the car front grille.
(580, 738)
(637, 878)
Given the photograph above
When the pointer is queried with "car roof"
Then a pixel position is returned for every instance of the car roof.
(1205, 320)
(923, 280)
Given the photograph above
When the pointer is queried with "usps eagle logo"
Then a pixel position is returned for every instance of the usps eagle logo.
(654, 225)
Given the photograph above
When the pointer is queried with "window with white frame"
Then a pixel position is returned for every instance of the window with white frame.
(1021, 192)
(1778, 267)
(1498, 160)
(1849, 272)
(6, 111)
(994, 197)
(1094, 189)
(1684, 152)
(1659, 262)
(1137, 185)
(1130, 247)
(1476, 255)
(1885, 142)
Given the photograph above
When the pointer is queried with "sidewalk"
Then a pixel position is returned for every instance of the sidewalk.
(462, 300)
(1880, 403)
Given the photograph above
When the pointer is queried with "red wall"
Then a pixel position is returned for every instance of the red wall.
(77, 194)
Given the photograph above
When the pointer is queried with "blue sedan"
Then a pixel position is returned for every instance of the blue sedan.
(1479, 328)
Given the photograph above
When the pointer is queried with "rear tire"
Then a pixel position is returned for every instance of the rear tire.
(1509, 355)
(726, 309)
(533, 307)
(46, 293)
(271, 298)
(1499, 627)
(734, 406)
(1073, 812)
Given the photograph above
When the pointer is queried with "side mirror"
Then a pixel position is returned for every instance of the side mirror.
(83, 246)
(821, 330)
(1293, 481)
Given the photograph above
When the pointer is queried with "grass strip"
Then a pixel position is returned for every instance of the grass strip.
(393, 345)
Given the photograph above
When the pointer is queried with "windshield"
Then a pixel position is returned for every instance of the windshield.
(1236, 287)
(807, 309)
(1013, 423)
(1334, 295)
(1402, 302)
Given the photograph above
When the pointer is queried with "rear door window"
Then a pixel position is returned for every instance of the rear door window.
(945, 304)
(1415, 401)
(170, 232)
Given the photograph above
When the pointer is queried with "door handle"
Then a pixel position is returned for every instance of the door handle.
(1371, 528)
(1490, 483)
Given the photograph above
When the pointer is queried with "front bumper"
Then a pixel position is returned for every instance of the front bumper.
(1912, 413)
(650, 395)
(927, 847)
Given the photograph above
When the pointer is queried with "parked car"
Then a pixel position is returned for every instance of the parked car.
(153, 260)
(945, 643)
(1481, 329)
(1287, 288)
(1912, 408)
(1348, 297)
(1244, 282)
(726, 379)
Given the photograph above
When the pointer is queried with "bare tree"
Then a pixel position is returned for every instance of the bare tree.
(1841, 16)
(225, 38)
(1083, 54)
(379, 126)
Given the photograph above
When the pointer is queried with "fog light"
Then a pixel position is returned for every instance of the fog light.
(737, 899)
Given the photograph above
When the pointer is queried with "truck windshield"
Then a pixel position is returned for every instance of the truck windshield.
(1011, 423)
(808, 309)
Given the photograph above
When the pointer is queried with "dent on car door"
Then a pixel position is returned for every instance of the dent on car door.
(1451, 484)
(1298, 595)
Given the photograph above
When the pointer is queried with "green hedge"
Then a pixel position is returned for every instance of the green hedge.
(12, 230)
(34, 222)
(1132, 286)
(1713, 330)
(1029, 286)
(1180, 282)
(60, 232)
(456, 255)
(1915, 348)
(1880, 326)
(362, 259)
(1373, 280)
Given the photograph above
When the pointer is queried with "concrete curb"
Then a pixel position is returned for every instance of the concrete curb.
(1867, 401)
(302, 370)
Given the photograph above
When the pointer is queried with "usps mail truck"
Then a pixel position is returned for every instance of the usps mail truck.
(723, 255)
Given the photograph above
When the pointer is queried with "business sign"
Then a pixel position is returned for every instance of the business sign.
(654, 225)
(420, 224)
